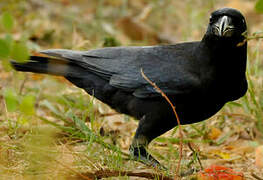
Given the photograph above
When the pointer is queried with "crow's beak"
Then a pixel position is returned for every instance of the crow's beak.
(224, 27)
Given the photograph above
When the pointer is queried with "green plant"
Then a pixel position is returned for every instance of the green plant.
(10, 48)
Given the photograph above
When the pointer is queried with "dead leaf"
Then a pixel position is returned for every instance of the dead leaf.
(221, 154)
(138, 31)
(259, 157)
(214, 133)
(220, 172)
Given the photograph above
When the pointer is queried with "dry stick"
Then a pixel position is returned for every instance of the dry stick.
(177, 118)
(106, 173)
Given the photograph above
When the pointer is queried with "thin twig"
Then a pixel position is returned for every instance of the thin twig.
(177, 118)
(248, 38)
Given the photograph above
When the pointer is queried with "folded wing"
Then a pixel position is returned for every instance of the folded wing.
(121, 67)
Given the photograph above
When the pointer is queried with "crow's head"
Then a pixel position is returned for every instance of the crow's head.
(227, 23)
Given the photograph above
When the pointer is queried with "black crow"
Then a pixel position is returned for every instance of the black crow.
(198, 77)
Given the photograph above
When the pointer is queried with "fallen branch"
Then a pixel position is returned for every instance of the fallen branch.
(114, 173)
(177, 118)
(106, 173)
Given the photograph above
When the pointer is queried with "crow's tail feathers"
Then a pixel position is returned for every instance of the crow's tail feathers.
(49, 65)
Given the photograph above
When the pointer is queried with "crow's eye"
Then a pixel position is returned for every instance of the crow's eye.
(212, 20)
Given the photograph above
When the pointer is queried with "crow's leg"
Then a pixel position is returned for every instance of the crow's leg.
(150, 126)
(139, 153)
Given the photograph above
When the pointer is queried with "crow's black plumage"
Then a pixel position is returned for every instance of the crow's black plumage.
(198, 77)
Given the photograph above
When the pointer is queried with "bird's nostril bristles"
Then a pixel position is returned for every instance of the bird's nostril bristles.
(217, 27)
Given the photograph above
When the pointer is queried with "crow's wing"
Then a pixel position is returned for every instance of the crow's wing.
(170, 67)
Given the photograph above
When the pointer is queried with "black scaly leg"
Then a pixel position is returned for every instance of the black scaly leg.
(150, 126)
